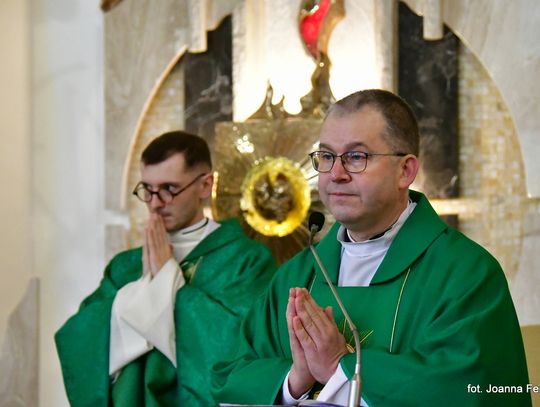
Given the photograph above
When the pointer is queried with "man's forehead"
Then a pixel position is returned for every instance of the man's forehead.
(158, 182)
(176, 161)
(349, 139)
(348, 146)
(352, 130)
(166, 172)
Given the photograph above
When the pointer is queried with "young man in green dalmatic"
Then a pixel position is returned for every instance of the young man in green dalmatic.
(432, 307)
(164, 313)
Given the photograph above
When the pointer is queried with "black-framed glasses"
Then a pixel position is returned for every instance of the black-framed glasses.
(352, 161)
(165, 194)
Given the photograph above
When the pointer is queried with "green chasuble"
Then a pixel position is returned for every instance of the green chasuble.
(225, 273)
(436, 320)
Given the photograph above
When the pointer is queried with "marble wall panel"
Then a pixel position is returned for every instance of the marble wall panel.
(208, 84)
(501, 217)
(143, 42)
(386, 37)
(140, 42)
(504, 37)
(15, 164)
(525, 286)
(19, 356)
(428, 81)
(67, 144)
(494, 207)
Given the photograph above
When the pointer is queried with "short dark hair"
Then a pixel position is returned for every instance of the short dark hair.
(401, 125)
(193, 147)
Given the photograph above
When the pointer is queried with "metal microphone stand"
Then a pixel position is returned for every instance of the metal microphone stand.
(355, 388)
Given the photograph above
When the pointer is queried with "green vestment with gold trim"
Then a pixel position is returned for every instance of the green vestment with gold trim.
(225, 273)
(455, 325)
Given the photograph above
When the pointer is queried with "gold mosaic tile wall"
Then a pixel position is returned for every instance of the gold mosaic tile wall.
(491, 167)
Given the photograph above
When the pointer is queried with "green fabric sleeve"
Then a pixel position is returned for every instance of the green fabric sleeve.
(83, 341)
(83, 348)
(209, 313)
(255, 374)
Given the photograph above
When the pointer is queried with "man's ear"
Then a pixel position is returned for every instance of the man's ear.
(409, 166)
(207, 184)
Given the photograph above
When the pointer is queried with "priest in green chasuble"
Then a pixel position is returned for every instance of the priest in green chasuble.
(436, 322)
(164, 313)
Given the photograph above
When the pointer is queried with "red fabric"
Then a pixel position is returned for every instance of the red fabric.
(310, 27)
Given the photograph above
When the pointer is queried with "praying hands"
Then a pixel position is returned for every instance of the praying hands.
(316, 343)
(156, 246)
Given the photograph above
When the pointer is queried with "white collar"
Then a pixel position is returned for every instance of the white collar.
(380, 244)
(185, 240)
(191, 233)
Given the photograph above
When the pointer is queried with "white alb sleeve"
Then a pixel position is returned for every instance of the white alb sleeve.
(336, 390)
(286, 397)
(143, 317)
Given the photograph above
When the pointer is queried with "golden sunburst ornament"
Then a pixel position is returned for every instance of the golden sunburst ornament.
(266, 181)
(275, 196)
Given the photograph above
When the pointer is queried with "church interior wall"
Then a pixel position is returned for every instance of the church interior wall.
(85, 93)
(19, 288)
(15, 161)
(52, 211)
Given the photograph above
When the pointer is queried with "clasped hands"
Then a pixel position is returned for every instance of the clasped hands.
(316, 343)
(157, 249)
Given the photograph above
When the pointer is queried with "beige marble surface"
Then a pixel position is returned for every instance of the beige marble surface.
(385, 28)
(497, 213)
(15, 205)
(142, 43)
(19, 356)
(67, 149)
(525, 287)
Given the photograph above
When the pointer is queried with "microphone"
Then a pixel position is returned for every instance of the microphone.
(315, 223)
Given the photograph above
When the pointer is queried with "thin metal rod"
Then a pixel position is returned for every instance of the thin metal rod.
(355, 383)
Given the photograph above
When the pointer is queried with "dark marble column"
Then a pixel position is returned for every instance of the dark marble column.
(208, 83)
(428, 81)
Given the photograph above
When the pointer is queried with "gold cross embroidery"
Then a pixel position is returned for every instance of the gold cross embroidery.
(349, 337)
(190, 269)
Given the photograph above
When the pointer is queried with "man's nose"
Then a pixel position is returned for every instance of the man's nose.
(338, 172)
(155, 203)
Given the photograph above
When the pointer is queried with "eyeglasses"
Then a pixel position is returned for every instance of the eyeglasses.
(352, 161)
(165, 194)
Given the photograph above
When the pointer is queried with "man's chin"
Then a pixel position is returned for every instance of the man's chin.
(346, 218)
(170, 225)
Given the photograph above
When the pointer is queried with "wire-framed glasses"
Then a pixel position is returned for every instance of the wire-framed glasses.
(352, 161)
(165, 193)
